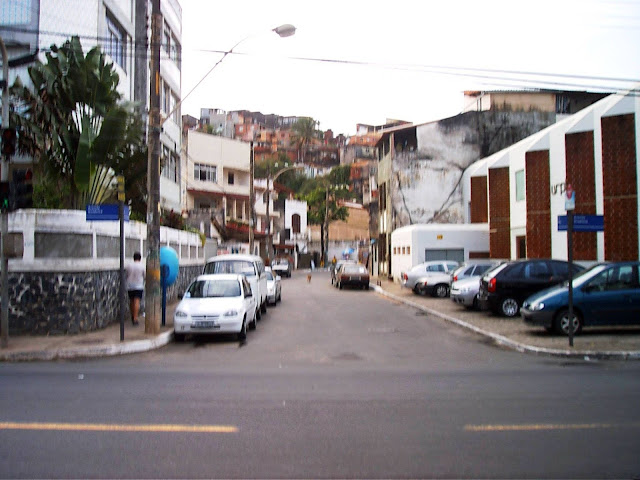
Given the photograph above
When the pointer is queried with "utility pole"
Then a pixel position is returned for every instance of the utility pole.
(152, 282)
(4, 319)
(252, 201)
(268, 230)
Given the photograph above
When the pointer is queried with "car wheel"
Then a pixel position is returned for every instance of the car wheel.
(509, 307)
(242, 334)
(441, 290)
(475, 305)
(178, 337)
(254, 322)
(339, 285)
(263, 307)
(420, 289)
(258, 313)
(562, 322)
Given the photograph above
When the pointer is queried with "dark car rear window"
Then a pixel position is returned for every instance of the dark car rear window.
(515, 270)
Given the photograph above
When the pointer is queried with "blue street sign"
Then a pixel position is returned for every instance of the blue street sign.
(582, 223)
(96, 213)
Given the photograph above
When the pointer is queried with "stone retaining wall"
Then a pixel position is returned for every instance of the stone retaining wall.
(56, 289)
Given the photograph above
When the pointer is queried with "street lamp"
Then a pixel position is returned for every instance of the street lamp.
(269, 181)
(152, 282)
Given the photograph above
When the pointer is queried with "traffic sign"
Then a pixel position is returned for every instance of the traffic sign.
(582, 223)
(97, 213)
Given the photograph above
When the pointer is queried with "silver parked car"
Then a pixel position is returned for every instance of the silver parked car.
(465, 292)
(430, 278)
(472, 268)
(465, 282)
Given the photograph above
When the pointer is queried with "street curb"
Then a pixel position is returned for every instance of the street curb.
(124, 348)
(520, 347)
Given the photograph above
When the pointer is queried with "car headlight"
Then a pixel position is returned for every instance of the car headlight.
(181, 314)
(231, 313)
(535, 307)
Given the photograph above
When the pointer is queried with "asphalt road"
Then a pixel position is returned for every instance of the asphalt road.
(331, 384)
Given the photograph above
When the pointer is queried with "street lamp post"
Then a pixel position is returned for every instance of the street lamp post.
(152, 282)
(269, 181)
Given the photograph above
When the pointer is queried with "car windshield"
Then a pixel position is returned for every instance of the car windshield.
(230, 266)
(493, 271)
(281, 261)
(353, 269)
(213, 288)
(585, 274)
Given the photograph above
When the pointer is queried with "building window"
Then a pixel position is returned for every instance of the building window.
(116, 42)
(175, 116)
(205, 173)
(175, 52)
(408, 250)
(170, 164)
(166, 38)
(382, 200)
(230, 178)
(295, 223)
(165, 98)
(519, 185)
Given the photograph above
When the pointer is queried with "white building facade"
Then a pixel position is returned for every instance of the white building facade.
(522, 189)
(122, 30)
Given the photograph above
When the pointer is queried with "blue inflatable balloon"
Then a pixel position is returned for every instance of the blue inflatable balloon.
(169, 257)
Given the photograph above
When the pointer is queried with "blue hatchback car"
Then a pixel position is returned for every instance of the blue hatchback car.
(605, 294)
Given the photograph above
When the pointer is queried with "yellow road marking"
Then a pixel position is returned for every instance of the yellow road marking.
(541, 426)
(105, 427)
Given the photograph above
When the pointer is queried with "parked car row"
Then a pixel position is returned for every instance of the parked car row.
(538, 290)
(229, 297)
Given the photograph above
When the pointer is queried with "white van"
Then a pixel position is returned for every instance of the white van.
(251, 266)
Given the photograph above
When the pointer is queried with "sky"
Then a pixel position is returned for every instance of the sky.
(354, 61)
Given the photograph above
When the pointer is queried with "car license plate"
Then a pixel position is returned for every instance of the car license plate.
(203, 325)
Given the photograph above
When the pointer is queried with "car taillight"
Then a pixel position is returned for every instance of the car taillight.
(455, 278)
(491, 285)
(405, 277)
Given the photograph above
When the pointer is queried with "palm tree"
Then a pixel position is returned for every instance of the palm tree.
(76, 127)
(304, 131)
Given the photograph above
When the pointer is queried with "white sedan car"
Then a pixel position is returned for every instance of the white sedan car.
(213, 304)
(274, 287)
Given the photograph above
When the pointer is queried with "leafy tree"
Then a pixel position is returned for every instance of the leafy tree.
(78, 130)
(322, 196)
(304, 131)
(292, 179)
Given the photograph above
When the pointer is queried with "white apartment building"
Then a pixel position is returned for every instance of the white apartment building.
(121, 28)
(217, 178)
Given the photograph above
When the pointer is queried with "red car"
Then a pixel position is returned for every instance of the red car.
(355, 275)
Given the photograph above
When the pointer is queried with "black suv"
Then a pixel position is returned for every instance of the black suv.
(503, 289)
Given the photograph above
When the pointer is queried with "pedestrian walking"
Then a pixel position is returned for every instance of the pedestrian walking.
(135, 277)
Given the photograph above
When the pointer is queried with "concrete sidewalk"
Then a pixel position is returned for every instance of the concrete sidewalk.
(100, 343)
(610, 343)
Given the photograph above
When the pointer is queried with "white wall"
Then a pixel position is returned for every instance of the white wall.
(469, 237)
(29, 222)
